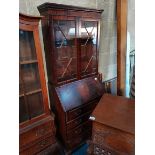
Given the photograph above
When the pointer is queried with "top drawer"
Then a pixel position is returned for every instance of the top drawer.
(81, 110)
(37, 132)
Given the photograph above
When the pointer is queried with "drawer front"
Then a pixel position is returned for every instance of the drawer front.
(81, 110)
(80, 130)
(76, 141)
(36, 133)
(78, 121)
(38, 146)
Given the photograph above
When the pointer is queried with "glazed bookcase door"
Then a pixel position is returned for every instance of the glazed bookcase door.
(65, 49)
(30, 91)
(88, 33)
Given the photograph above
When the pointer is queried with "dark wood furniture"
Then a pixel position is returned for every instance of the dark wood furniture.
(113, 126)
(37, 130)
(74, 103)
(71, 41)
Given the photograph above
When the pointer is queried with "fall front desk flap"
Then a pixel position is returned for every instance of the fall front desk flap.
(77, 93)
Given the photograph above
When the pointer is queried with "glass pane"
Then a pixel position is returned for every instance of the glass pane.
(26, 46)
(35, 102)
(88, 47)
(66, 57)
(64, 32)
(23, 115)
(30, 77)
(20, 85)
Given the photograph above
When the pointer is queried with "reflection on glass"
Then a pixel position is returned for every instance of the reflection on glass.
(20, 85)
(64, 32)
(23, 115)
(66, 56)
(88, 47)
(30, 77)
(89, 30)
(26, 46)
(35, 102)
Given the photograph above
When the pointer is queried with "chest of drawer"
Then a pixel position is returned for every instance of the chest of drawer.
(79, 139)
(36, 133)
(39, 146)
(80, 111)
(76, 122)
(115, 140)
(80, 130)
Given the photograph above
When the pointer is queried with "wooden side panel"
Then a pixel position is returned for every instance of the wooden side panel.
(115, 141)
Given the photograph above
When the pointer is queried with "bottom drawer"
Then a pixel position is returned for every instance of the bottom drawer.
(39, 146)
(80, 130)
(36, 131)
(72, 143)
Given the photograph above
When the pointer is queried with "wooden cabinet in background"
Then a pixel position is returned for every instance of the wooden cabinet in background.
(37, 130)
(113, 126)
(71, 42)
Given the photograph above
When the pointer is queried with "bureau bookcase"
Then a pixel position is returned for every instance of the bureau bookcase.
(71, 43)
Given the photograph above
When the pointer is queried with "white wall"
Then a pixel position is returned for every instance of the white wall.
(108, 41)
(30, 6)
(131, 23)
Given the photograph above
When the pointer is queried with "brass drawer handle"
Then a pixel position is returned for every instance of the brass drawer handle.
(41, 132)
(43, 143)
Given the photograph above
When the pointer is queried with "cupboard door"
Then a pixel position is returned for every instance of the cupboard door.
(31, 96)
(27, 46)
(88, 47)
(35, 103)
(21, 89)
(31, 77)
(23, 113)
(65, 49)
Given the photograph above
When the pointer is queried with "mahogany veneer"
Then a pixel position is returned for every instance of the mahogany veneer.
(74, 102)
(71, 43)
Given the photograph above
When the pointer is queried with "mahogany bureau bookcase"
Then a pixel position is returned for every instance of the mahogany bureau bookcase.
(113, 126)
(71, 43)
(37, 130)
